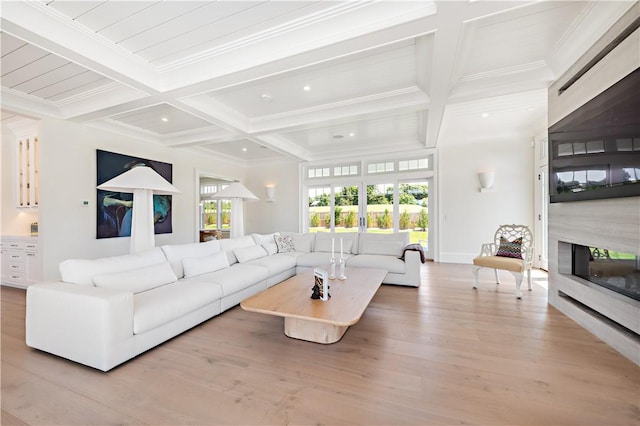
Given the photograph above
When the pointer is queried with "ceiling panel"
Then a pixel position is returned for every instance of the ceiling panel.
(74, 8)
(64, 88)
(21, 57)
(161, 36)
(9, 43)
(385, 69)
(265, 15)
(532, 33)
(34, 70)
(244, 150)
(109, 13)
(384, 131)
(150, 119)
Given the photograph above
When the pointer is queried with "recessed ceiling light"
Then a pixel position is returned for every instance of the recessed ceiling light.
(352, 134)
(338, 136)
(485, 114)
(165, 119)
(266, 97)
(306, 88)
(244, 149)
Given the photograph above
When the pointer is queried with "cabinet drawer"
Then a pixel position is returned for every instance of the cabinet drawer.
(13, 245)
(15, 267)
(31, 246)
(17, 277)
(15, 257)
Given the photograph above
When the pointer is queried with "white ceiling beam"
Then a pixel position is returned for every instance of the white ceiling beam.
(43, 26)
(28, 105)
(397, 101)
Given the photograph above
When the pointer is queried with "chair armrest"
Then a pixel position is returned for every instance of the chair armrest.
(79, 322)
(528, 256)
(488, 249)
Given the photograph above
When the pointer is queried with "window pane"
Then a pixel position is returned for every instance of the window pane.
(346, 208)
(319, 205)
(380, 208)
(414, 213)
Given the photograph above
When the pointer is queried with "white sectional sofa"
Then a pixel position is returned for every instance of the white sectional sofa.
(103, 312)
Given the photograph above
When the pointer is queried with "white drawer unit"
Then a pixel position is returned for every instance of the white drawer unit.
(21, 261)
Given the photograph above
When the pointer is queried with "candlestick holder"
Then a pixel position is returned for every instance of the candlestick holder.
(332, 268)
(342, 265)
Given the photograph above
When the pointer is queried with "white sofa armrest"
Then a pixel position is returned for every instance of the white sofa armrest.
(89, 325)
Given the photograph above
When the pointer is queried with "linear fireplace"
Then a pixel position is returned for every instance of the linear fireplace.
(616, 271)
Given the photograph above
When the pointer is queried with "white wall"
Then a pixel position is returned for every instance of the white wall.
(283, 213)
(468, 217)
(68, 176)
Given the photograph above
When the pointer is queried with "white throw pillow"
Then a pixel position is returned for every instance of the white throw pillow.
(194, 266)
(137, 280)
(302, 242)
(262, 239)
(231, 244)
(245, 254)
(175, 253)
(271, 248)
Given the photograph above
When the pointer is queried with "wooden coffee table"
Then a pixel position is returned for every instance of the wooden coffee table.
(316, 320)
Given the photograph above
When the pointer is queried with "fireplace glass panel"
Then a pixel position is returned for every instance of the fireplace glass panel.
(619, 272)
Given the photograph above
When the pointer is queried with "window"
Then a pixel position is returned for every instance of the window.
(350, 170)
(414, 164)
(318, 172)
(380, 167)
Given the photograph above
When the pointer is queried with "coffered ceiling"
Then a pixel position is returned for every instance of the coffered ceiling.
(261, 81)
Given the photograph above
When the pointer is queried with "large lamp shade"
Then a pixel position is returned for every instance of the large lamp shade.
(237, 193)
(143, 182)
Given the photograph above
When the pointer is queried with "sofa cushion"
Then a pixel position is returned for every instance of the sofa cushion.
(284, 243)
(230, 244)
(194, 266)
(245, 254)
(175, 253)
(385, 244)
(267, 241)
(237, 277)
(137, 280)
(81, 271)
(379, 261)
(164, 304)
(323, 242)
(277, 263)
(316, 259)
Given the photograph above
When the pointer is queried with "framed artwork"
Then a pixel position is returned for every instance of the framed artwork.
(114, 209)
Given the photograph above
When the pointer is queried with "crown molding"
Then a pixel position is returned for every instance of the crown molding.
(25, 104)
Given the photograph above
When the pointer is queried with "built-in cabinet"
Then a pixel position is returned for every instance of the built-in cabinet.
(21, 261)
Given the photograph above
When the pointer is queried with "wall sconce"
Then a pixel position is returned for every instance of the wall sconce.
(486, 181)
(271, 193)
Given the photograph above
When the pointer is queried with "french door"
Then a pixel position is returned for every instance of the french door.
(382, 206)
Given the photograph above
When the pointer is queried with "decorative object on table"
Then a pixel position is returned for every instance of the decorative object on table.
(342, 263)
(143, 182)
(237, 193)
(114, 206)
(320, 285)
(342, 276)
(34, 229)
(332, 262)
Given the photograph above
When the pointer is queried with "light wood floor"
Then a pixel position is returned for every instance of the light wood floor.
(440, 354)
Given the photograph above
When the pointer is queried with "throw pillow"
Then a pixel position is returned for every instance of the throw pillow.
(137, 280)
(245, 254)
(194, 266)
(510, 248)
(284, 243)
